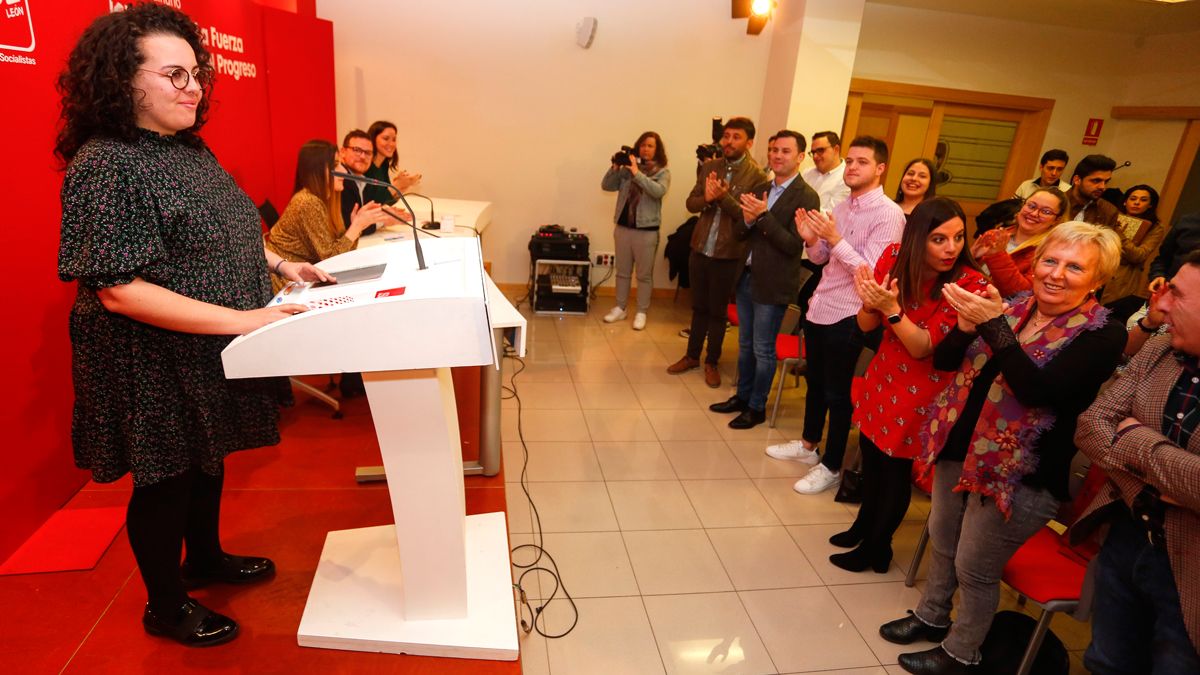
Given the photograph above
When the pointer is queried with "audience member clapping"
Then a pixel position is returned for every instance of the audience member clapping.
(1001, 433)
(1008, 253)
(893, 399)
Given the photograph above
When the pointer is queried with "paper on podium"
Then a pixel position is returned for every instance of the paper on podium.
(402, 320)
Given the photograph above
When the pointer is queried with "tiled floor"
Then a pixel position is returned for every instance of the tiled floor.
(684, 546)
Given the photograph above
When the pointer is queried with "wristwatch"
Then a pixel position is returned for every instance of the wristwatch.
(893, 319)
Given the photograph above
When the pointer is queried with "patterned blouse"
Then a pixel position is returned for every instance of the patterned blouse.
(150, 401)
(305, 233)
(893, 398)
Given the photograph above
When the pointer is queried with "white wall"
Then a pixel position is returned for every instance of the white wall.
(495, 101)
(1085, 71)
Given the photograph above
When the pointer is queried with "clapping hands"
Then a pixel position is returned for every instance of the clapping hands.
(714, 187)
(973, 308)
(883, 298)
(991, 242)
(752, 207)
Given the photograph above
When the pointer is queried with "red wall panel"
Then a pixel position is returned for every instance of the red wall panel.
(299, 55)
(39, 475)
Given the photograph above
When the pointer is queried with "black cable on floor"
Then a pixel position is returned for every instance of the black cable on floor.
(535, 612)
(598, 284)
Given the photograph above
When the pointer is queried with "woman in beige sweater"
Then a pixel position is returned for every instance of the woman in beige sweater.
(311, 228)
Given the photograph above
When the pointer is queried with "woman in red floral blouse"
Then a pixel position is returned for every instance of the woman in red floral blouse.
(890, 403)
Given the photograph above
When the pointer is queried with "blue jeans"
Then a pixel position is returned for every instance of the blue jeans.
(758, 324)
(1137, 626)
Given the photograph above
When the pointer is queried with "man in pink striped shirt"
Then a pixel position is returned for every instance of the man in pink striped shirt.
(857, 232)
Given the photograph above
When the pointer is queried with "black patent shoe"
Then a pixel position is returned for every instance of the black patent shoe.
(911, 629)
(232, 569)
(733, 404)
(936, 661)
(192, 625)
(748, 419)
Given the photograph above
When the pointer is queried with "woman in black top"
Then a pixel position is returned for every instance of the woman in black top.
(1001, 434)
(169, 257)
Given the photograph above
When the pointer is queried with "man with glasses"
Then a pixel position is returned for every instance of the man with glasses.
(827, 179)
(1050, 171)
(355, 155)
(826, 175)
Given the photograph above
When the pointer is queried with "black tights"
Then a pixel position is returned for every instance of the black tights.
(164, 515)
(886, 492)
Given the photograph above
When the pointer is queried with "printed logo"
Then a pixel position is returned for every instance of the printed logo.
(16, 27)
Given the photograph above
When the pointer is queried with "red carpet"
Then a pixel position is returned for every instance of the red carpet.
(72, 539)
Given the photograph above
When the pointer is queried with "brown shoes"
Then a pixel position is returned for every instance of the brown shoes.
(683, 365)
(712, 377)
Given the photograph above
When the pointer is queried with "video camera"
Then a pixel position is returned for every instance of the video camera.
(624, 156)
(707, 151)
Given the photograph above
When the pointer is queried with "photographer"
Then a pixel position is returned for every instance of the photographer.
(640, 178)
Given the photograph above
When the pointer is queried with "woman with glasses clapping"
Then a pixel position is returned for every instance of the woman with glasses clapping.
(1008, 252)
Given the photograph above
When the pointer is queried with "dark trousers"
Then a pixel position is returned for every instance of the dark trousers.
(886, 493)
(712, 283)
(1137, 624)
(160, 518)
(832, 353)
(809, 287)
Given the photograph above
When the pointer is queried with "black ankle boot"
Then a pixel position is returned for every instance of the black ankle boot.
(911, 629)
(936, 661)
(861, 558)
(848, 539)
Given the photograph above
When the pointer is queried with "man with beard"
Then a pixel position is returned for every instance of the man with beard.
(717, 253)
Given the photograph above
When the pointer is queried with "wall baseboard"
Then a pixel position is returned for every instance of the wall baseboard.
(603, 291)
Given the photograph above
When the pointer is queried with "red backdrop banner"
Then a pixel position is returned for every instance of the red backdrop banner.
(274, 90)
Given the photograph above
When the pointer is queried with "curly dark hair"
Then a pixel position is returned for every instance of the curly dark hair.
(97, 85)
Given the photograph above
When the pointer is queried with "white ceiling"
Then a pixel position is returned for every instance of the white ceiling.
(1132, 17)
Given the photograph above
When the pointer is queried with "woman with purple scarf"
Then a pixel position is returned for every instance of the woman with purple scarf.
(1001, 434)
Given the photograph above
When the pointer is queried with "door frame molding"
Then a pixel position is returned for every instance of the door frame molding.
(1185, 152)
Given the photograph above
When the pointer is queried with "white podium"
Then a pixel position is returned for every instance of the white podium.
(437, 582)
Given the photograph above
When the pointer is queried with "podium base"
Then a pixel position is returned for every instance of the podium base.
(356, 603)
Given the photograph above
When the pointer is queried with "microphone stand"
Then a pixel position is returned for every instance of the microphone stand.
(432, 224)
(412, 223)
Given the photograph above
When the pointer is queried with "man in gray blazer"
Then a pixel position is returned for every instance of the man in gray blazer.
(770, 278)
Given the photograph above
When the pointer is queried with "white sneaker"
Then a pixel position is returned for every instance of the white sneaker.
(639, 321)
(817, 480)
(614, 315)
(794, 451)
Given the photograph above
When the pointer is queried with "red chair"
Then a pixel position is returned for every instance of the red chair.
(1050, 572)
(789, 351)
(1046, 569)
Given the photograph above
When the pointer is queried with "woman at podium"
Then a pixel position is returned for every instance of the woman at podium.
(168, 255)
(311, 228)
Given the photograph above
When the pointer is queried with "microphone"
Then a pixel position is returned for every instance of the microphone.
(413, 223)
(431, 225)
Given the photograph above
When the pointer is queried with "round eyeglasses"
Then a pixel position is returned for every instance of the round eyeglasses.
(1033, 207)
(181, 78)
